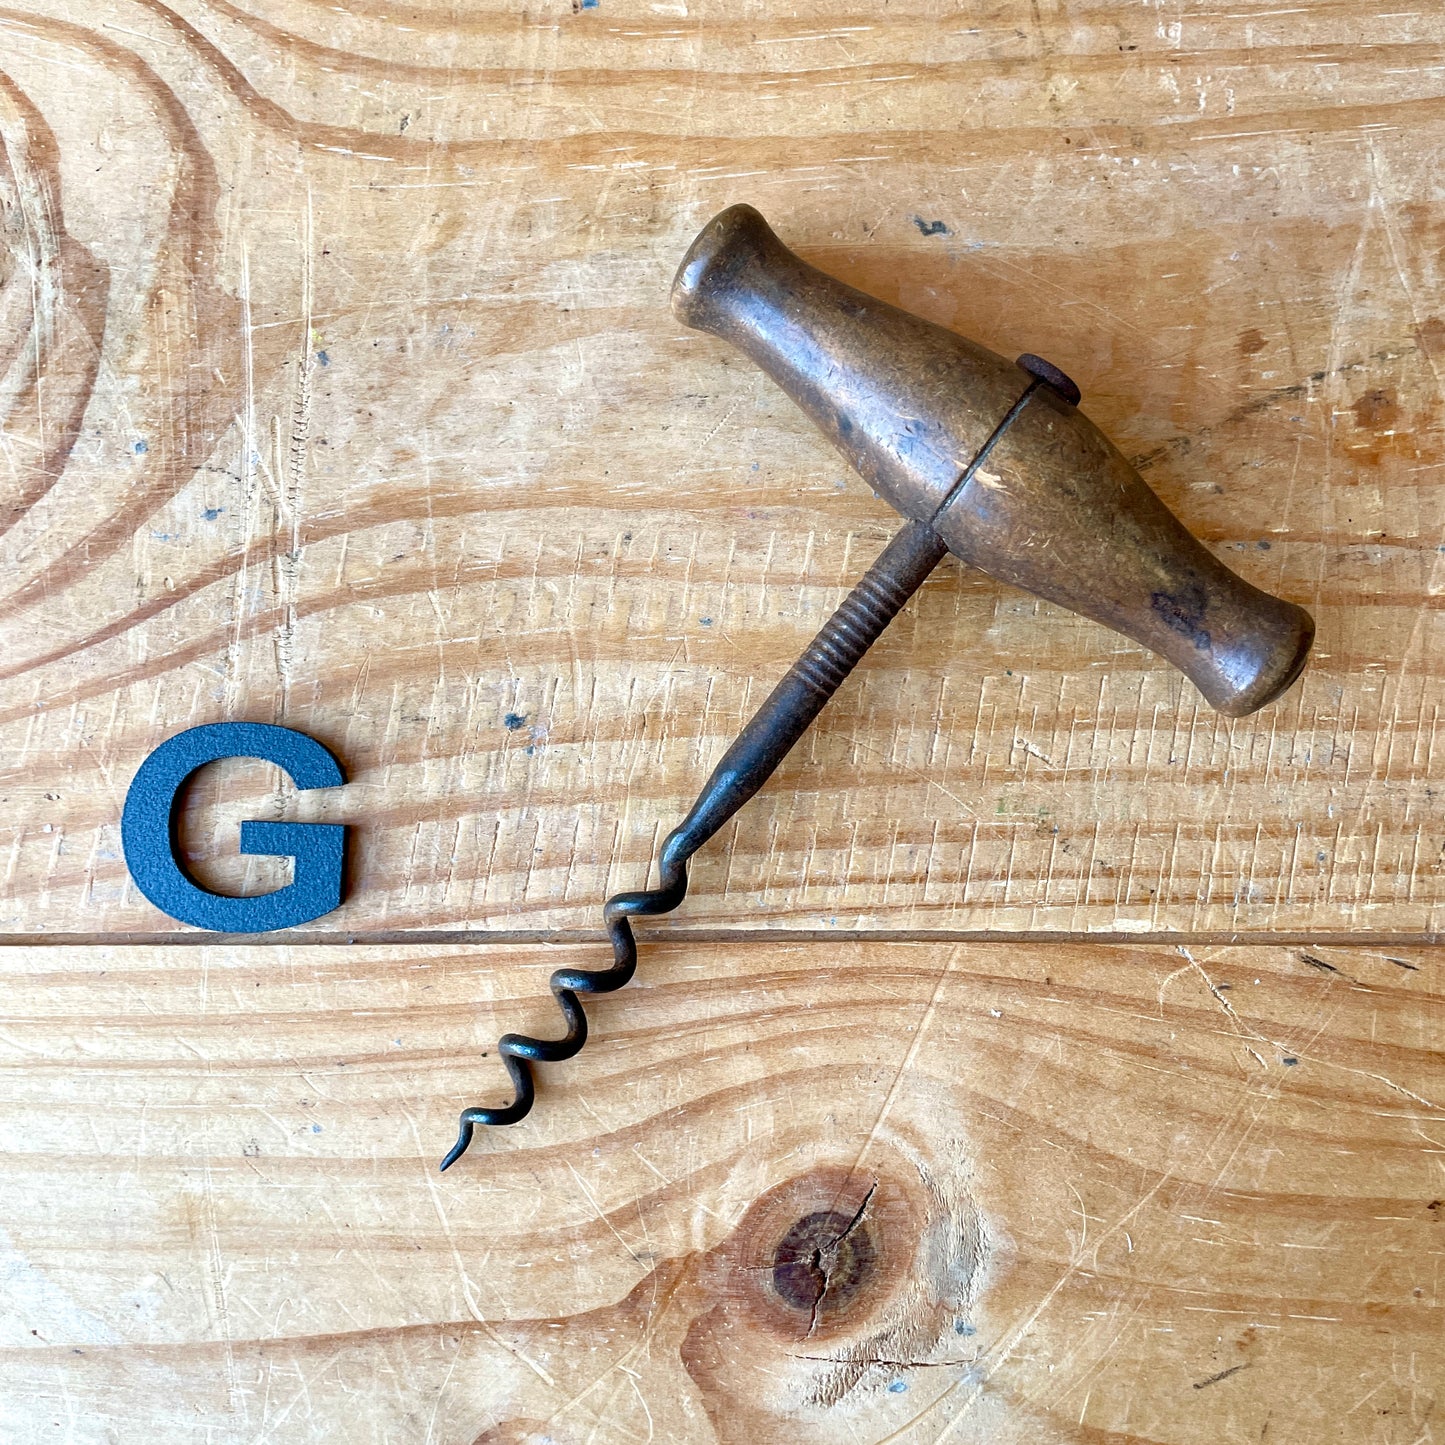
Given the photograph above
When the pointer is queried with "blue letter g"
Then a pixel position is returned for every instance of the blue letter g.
(148, 830)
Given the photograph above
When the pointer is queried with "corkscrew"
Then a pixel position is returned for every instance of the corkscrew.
(985, 458)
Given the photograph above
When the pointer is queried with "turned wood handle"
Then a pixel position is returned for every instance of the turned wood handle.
(1044, 502)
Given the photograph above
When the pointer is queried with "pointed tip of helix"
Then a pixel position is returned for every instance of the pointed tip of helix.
(464, 1138)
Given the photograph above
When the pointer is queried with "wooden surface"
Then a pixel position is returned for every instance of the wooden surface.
(1097, 1193)
(338, 389)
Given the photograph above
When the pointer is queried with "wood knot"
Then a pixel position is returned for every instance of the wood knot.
(839, 1282)
(824, 1261)
(822, 1252)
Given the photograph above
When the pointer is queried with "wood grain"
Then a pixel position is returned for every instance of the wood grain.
(1067, 1194)
(339, 390)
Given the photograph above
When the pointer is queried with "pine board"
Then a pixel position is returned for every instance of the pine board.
(340, 391)
(1122, 1193)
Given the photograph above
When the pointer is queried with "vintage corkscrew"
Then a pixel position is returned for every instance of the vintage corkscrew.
(985, 458)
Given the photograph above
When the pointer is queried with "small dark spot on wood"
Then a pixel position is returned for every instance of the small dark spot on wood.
(1252, 342)
(1430, 334)
(1318, 963)
(931, 228)
(1222, 1375)
(1375, 410)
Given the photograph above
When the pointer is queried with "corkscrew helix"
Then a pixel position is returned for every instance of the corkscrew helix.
(985, 458)
(746, 766)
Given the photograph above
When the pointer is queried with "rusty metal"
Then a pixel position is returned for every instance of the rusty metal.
(983, 457)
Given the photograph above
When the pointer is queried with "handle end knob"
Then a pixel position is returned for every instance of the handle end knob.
(727, 245)
(1251, 658)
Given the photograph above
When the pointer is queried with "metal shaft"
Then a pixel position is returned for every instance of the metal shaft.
(807, 685)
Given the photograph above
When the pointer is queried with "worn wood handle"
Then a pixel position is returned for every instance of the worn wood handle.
(1045, 502)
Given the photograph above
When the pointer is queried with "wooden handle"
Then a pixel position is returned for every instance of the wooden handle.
(1013, 478)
